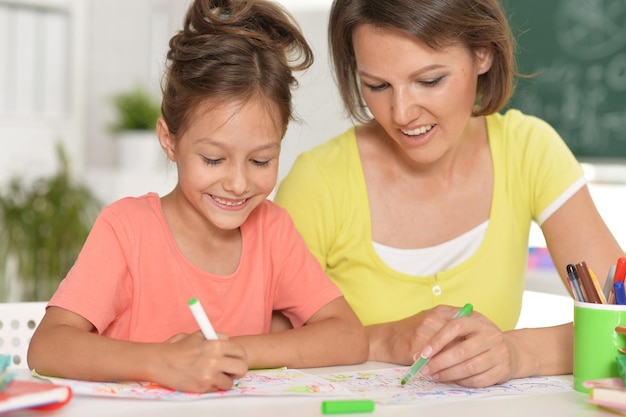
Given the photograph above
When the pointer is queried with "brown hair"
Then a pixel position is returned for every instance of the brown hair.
(232, 50)
(437, 23)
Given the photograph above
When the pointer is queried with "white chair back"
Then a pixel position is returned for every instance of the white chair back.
(17, 324)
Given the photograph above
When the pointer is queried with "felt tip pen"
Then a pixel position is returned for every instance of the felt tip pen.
(347, 406)
(572, 275)
(597, 286)
(620, 294)
(589, 288)
(201, 318)
(608, 285)
(465, 311)
(620, 270)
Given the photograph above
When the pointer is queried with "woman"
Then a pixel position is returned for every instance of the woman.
(427, 203)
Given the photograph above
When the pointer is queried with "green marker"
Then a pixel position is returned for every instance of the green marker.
(347, 406)
(465, 311)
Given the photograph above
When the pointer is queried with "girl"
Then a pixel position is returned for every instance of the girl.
(121, 313)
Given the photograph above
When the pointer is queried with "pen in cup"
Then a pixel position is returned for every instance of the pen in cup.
(616, 274)
(588, 286)
(464, 311)
(572, 275)
(620, 294)
(203, 321)
(620, 270)
(608, 286)
(597, 286)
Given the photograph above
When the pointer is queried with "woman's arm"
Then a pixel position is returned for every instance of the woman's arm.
(471, 351)
(576, 232)
(474, 352)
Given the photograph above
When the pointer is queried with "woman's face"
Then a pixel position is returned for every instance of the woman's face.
(423, 98)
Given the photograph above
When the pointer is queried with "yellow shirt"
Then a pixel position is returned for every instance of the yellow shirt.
(326, 194)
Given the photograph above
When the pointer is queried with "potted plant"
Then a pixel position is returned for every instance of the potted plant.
(134, 126)
(43, 226)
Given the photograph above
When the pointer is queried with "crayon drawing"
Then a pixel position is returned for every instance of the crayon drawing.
(383, 386)
(285, 382)
(270, 382)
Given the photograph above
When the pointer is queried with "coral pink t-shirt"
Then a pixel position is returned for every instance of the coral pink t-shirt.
(132, 282)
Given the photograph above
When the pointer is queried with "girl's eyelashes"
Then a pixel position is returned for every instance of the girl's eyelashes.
(260, 163)
(210, 161)
(217, 161)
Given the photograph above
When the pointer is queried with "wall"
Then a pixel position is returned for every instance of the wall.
(42, 73)
(577, 51)
(122, 42)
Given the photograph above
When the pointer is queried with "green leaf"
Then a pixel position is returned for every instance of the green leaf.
(135, 110)
(43, 226)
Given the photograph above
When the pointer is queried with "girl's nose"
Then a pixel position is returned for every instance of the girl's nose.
(236, 181)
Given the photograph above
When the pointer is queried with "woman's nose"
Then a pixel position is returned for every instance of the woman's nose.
(404, 108)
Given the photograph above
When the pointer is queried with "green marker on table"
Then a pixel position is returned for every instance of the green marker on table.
(465, 311)
(347, 406)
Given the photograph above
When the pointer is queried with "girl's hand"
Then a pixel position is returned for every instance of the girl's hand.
(192, 363)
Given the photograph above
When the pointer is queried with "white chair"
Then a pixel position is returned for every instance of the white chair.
(17, 324)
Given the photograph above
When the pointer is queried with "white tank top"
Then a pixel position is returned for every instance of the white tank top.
(428, 261)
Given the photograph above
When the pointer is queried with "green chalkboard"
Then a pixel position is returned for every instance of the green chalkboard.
(577, 48)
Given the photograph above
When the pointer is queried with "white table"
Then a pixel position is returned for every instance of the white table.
(548, 404)
(539, 309)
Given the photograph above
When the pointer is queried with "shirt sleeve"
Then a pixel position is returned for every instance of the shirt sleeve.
(95, 287)
(549, 165)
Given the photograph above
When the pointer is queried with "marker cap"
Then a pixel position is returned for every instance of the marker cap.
(347, 406)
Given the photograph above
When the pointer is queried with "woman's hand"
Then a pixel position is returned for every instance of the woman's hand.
(401, 341)
(470, 351)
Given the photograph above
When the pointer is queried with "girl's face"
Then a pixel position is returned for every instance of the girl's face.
(227, 159)
(422, 98)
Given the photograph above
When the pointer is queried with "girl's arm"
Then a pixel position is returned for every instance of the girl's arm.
(332, 336)
(66, 345)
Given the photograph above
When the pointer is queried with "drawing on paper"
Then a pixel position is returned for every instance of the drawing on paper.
(381, 385)
(269, 382)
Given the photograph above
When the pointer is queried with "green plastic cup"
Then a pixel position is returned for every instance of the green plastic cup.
(596, 342)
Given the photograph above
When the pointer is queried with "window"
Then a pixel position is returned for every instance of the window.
(35, 66)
